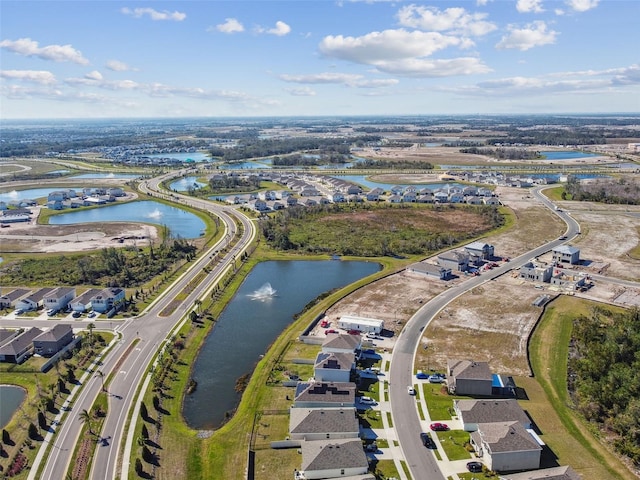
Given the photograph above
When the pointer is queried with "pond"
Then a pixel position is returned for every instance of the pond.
(362, 180)
(183, 156)
(10, 399)
(567, 155)
(185, 183)
(105, 175)
(33, 193)
(182, 224)
(258, 313)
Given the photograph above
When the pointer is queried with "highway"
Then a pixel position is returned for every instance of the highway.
(422, 463)
(141, 339)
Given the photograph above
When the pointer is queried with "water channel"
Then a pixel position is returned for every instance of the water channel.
(262, 308)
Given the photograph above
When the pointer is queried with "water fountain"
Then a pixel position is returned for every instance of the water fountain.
(265, 292)
(155, 214)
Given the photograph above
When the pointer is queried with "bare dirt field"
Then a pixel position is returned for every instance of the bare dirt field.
(33, 238)
(493, 322)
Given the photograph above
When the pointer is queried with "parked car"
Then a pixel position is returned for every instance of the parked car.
(475, 467)
(76, 314)
(324, 324)
(371, 335)
(439, 427)
(327, 332)
(435, 379)
(411, 390)
(421, 375)
(367, 400)
(427, 441)
(354, 332)
(92, 315)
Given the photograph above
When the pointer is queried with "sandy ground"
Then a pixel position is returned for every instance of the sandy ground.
(31, 237)
(492, 323)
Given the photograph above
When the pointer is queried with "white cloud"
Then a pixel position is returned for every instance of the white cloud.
(57, 53)
(348, 79)
(301, 92)
(154, 14)
(118, 66)
(533, 35)
(231, 25)
(386, 45)
(582, 5)
(280, 29)
(451, 19)
(427, 68)
(527, 6)
(42, 77)
(94, 75)
(481, 3)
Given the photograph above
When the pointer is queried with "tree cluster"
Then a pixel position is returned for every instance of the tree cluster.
(613, 191)
(503, 153)
(108, 267)
(603, 375)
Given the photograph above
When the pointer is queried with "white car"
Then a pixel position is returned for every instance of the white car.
(367, 400)
(411, 390)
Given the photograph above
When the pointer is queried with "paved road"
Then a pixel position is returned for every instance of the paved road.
(141, 338)
(421, 461)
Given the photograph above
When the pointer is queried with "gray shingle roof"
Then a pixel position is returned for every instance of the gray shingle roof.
(334, 392)
(468, 369)
(335, 361)
(20, 343)
(556, 473)
(505, 437)
(54, 334)
(333, 454)
(323, 420)
(342, 342)
(488, 411)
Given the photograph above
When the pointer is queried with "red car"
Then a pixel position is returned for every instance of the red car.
(324, 324)
(439, 427)
(327, 332)
(354, 332)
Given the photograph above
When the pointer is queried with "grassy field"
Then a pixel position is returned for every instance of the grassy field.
(568, 437)
(453, 444)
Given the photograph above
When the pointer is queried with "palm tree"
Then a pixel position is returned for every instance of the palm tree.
(90, 327)
(100, 373)
(85, 417)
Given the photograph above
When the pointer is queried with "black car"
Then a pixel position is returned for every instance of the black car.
(427, 441)
(475, 467)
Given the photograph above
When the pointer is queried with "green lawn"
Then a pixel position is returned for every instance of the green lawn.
(439, 403)
(453, 442)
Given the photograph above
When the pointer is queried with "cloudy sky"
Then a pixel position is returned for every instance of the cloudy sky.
(72, 59)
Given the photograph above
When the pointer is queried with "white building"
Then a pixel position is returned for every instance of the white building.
(366, 325)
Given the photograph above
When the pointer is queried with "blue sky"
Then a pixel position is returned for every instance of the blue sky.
(100, 59)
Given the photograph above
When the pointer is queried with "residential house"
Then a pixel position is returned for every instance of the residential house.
(333, 459)
(568, 281)
(566, 254)
(292, 201)
(323, 423)
(409, 197)
(352, 189)
(506, 446)
(18, 349)
(430, 270)
(259, 205)
(471, 413)
(336, 197)
(325, 394)
(277, 206)
(473, 200)
(536, 273)
(267, 195)
(354, 198)
(467, 377)
(490, 201)
(374, 195)
(33, 301)
(107, 299)
(394, 199)
(455, 260)
(82, 303)
(59, 298)
(440, 197)
(10, 299)
(554, 473)
(115, 192)
(481, 250)
(6, 335)
(341, 343)
(53, 340)
(456, 197)
(397, 190)
(334, 367)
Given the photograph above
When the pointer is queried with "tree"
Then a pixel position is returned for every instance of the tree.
(90, 327)
(143, 411)
(33, 431)
(145, 432)
(85, 417)
(139, 469)
(100, 374)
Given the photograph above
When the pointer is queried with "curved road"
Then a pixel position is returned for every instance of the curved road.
(141, 339)
(406, 422)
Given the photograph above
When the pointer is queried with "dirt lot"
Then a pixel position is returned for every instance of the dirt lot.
(31, 237)
(492, 322)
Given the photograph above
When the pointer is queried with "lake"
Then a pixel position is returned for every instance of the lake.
(568, 155)
(263, 307)
(182, 156)
(10, 399)
(362, 180)
(185, 183)
(181, 223)
(33, 193)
